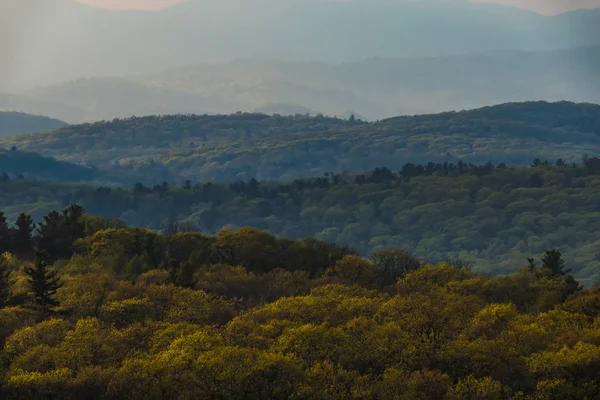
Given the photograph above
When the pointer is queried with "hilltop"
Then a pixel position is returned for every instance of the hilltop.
(14, 123)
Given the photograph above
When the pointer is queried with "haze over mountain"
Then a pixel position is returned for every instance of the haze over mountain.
(65, 40)
(370, 89)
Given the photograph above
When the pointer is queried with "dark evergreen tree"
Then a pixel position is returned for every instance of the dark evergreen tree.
(51, 238)
(4, 283)
(43, 284)
(552, 261)
(22, 236)
(59, 231)
(5, 242)
(72, 218)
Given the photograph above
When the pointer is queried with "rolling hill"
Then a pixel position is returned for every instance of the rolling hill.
(18, 164)
(13, 123)
(244, 146)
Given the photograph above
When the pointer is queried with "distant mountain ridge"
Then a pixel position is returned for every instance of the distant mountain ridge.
(375, 88)
(83, 41)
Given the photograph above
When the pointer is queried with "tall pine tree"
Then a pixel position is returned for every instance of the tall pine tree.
(51, 236)
(554, 264)
(72, 218)
(4, 282)
(43, 284)
(22, 236)
(552, 260)
(58, 232)
(5, 242)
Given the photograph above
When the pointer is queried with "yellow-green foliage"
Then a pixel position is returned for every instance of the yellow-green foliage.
(104, 243)
(442, 333)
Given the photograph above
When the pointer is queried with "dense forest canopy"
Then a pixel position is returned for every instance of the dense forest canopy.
(245, 146)
(491, 216)
(92, 309)
(14, 123)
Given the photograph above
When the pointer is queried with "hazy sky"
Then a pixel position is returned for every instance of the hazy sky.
(541, 6)
(547, 6)
(132, 4)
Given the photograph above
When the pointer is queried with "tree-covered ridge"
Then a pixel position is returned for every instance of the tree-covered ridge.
(246, 146)
(122, 313)
(14, 123)
(167, 132)
(492, 216)
(18, 165)
(582, 117)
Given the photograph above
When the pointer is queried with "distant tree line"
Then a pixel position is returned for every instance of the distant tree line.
(436, 211)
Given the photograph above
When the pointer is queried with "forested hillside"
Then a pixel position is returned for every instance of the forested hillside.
(19, 165)
(491, 216)
(91, 309)
(161, 148)
(14, 123)
(245, 146)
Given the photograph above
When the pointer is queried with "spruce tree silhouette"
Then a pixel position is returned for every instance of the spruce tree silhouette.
(43, 284)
